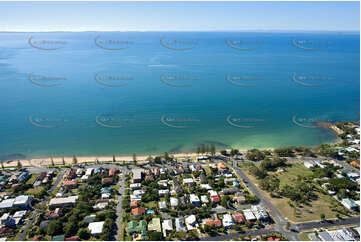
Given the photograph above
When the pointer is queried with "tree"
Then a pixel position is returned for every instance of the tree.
(166, 156)
(84, 234)
(52, 161)
(63, 160)
(19, 165)
(288, 225)
(114, 160)
(213, 149)
(322, 216)
(71, 227)
(55, 227)
(2, 165)
(198, 150)
(135, 159)
(155, 236)
(75, 160)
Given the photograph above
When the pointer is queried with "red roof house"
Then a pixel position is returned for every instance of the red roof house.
(112, 172)
(138, 211)
(214, 222)
(134, 203)
(238, 218)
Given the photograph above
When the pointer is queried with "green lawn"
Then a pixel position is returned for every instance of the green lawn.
(32, 179)
(307, 212)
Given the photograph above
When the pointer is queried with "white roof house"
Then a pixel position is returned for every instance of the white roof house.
(135, 186)
(100, 205)
(163, 183)
(7, 203)
(179, 225)
(206, 186)
(135, 197)
(167, 225)
(191, 222)
(106, 195)
(349, 203)
(63, 201)
(188, 181)
(193, 198)
(212, 193)
(22, 201)
(96, 228)
(248, 214)
(204, 199)
(89, 172)
(163, 192)
(227, 221)
(162, 205)
(259, 212)
(174, 202)
(19, 214)
(138, 192)
(84, 177)
(309, 164)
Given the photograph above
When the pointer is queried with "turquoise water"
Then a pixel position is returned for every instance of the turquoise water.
(147, 92)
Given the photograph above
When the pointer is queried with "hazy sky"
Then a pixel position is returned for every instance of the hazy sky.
(178, 16)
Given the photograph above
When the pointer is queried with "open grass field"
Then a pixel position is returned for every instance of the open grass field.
(305, 213)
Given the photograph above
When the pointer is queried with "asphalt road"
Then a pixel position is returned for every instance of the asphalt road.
(119, 211)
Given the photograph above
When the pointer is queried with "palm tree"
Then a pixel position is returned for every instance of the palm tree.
(75, 160)
(63, 160)
(19, 165)
(135, 159)
(114, 160)
(52, 161)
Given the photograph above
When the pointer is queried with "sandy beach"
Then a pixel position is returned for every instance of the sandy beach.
(90, 159)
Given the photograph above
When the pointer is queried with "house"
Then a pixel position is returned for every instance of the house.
(221, 166)
(163, 183)
(227, 221)
(23, 176)
(156, 172)
(19, 214)
(308, 164)
(174, 202)
(188, 181)
(135, 197)
(58, 237)
(239, 197)
(163, 192)
(229, 181)
(135, 186)
(167, 225)
(106, 190)
(238, 218)
(214, 196)
(191, 222)
(183, 201)
(89, 172)
(203, 178)
(162, 205)
(354, 163)
(84, 178)
(176, 186)
(320, 163)
(259, 212)
(96, 228)
(138, 211)
(194, 199)
(154, 225)
(236, 184)
(70, 184)
(100, 205)
(213, 222)
(133, 204)
(206, 186)
(6, 231)
(324, 236)
(112, 172)
(248, 214)
(228, 191)
(23, 201)
(204, 199)
(7, 220)
(79, 172)
(349, 204)
(106, 195)
(149, 178)
(107, 181)
(179, 225)
(63, 202)
(72, 238)
(137, 175)
(89, 218)
(70, 174)
(134, 227)
(44, 224)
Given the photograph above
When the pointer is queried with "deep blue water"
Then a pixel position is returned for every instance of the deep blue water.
(99, 93)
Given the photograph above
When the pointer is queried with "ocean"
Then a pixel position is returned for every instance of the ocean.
(105, 93)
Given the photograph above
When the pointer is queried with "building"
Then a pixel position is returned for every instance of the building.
(137, 175)
(227, 221)
(107, 181)
(174, 202)
(154, 225)
(21, 201)
(188, 181)
(70, 184)
(162, 205)
(213, 222)
(308, 164)
(138, 211)
(204, 199)
(134, 227)
(84, 178)
(349, 204)
(238, 218)
(228, 191)
(163, 192)
(89, 172)
(194, 199)
(259, 212)
(167, 225)
(325, 236)
(249, 216)
(177, 186)
(206, 186)
(133, 204)
(70, 174)
(191, 222)
(112, 172)
(179, 225)
(203, 178)
(96, 228)
(229, 181)
(63, 202)
(135, 186)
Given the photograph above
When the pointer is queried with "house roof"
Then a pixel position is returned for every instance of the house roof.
(221, 165)
(134, 203)
(70, 182)
(107, 180)
(112, 172)
(154, 225)
(239, 218)
(138, 211)
(72, 238)
(58, 237)
(214, 222)
(96, 227)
